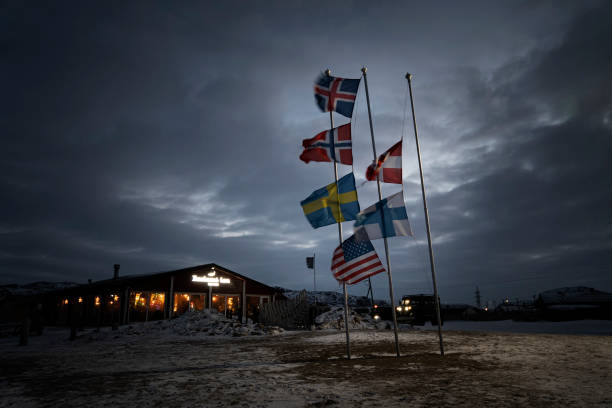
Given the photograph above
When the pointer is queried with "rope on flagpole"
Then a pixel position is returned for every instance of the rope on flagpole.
(431, 256)
(391, 295)
(346, 322)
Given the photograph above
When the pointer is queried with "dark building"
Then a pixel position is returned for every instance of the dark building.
(140, 298)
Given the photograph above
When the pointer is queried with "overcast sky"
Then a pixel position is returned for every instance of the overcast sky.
(161, 135)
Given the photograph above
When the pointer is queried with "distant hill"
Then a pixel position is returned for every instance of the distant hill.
(333, 298)
(33, 288)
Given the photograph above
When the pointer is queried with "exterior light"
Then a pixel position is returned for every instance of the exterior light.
(97, 301)
(65, 301)
(80, 299)
(399, 308)
(376, 317)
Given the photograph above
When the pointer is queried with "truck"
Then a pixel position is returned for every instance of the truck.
(417, 309)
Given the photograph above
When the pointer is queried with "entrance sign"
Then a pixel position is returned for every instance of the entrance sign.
(211, 279)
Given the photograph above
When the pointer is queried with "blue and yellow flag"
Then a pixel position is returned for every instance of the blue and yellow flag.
(325, 206)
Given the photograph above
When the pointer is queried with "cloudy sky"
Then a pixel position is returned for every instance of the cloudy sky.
(161, 135)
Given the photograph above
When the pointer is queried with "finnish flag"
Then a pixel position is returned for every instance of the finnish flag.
(386, 218)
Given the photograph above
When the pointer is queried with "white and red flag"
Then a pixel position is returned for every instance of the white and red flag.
(389, 165)
(355, 260)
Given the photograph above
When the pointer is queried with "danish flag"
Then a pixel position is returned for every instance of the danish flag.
(336, 94)
(332, 145)
(390, 162)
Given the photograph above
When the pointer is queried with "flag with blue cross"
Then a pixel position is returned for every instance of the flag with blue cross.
(332, 204)
(386, 218)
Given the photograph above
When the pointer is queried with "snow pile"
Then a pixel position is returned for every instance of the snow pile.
(334, 319)
(204, 323)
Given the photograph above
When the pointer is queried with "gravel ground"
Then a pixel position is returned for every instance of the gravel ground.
(308, 369)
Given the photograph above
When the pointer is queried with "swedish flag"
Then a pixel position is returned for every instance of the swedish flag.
(325, 206)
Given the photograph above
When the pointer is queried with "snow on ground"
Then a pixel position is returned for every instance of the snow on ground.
(334, 319)
(600, 327)
(202, 323)
(305, 369)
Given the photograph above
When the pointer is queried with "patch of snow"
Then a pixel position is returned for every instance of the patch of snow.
(197, 323)
(334, 319)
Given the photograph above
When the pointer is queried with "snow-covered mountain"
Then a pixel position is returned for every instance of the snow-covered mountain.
(333, 298)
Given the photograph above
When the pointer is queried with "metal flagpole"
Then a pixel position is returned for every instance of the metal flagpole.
(346, 314)
(431, 257)
(365, 80)
(314, 272)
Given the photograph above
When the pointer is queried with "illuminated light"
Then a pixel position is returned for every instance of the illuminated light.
(211, 279)
(80, 299)
(376, 317)
(110, 303)
(137, 296)
(115, 298)
(407, 301)
(97, 301)
(409, 308)
(214, 298)
(65, 301)
(399, 308)
(375, 306)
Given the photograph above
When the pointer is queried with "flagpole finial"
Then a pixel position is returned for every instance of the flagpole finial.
(328, 72)
(364, 69)
(408, 76)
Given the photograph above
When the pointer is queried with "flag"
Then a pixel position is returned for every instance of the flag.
(310, 262)
(355, 260)
(390, 162)
(325, 206)
(386, 218)
(332, 145)
(336, 94)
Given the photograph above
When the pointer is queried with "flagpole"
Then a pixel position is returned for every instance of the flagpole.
(431, 256)
(397, 350)
(346, 314)
(314, 273)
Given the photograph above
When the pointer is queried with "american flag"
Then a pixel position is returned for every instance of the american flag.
(355, 260)
(390, 162)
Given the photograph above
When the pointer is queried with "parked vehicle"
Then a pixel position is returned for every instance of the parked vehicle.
(417, 309)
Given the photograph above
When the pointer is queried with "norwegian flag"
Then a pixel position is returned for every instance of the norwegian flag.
(390, 162)
(331, 145)
(336, 94)
(355, 260)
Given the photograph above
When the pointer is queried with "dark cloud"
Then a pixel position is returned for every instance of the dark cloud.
(159, 136)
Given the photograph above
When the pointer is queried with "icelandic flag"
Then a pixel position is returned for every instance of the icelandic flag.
(327, 205)
(386, 218)
(331, 145)
(388, 167)
(336, 94)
